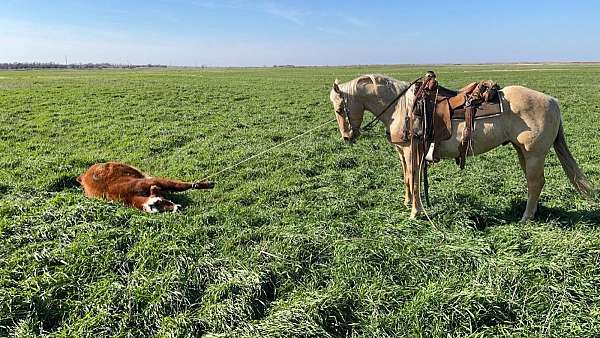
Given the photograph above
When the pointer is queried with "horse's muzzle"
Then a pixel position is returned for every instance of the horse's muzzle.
(351, 136)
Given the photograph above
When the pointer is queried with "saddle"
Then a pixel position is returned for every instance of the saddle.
(473, 101)
(435, 107)
(430, 120)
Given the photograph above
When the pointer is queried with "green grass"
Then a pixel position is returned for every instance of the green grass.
(311, 240)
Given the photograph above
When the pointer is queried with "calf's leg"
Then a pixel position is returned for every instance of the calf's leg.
(169, 185)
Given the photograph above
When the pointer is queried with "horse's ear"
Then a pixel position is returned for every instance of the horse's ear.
(336, 87)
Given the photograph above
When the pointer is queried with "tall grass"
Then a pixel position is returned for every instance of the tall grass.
(309, 241)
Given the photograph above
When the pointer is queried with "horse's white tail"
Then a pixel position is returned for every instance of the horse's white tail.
(574, 173)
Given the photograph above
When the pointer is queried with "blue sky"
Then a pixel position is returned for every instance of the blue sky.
(264, 32)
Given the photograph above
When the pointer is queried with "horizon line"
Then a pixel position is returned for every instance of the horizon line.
(157, 65)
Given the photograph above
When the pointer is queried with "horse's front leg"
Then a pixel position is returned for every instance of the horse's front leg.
(413, 171)
(406, 176)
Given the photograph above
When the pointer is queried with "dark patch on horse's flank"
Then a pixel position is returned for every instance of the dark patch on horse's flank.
(277, 138)
(347, 163)
(63, 183)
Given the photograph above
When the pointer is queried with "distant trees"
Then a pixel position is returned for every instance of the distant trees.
(52, 65)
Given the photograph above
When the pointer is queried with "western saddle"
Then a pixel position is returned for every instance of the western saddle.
(435, 108)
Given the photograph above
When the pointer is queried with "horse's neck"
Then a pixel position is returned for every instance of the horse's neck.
(376, 106)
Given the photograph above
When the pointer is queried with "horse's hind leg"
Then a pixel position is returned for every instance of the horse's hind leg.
(521, 157)
(534, 171)
(406, 177)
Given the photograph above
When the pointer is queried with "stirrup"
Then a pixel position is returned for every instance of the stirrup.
(429, 156)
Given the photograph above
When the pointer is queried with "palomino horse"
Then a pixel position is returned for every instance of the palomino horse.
(532, 125)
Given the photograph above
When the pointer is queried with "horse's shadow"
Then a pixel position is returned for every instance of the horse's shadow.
(567, 218)
(482, 215)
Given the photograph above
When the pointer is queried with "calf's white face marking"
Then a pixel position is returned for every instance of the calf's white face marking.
(149, 206)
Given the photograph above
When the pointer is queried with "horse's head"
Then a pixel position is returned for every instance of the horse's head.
(349, 111)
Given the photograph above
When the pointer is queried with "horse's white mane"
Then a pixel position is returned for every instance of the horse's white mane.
(386, 89)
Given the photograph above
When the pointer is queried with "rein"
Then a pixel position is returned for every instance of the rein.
(376, 118)
(418, 151)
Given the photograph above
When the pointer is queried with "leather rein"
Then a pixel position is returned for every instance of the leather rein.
(376, 118)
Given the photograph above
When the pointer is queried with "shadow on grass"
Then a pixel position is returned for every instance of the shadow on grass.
(4, 188)
(568, 218)
(482, 215)
(565, 217)
(182, 199)
(63, 183)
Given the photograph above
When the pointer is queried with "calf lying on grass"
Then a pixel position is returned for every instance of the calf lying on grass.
(121, 182)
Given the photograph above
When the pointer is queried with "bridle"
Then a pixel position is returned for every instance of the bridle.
(425, 83)
(376, 118)
(345, 111)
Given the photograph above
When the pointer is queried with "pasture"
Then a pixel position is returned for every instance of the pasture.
(310, 240)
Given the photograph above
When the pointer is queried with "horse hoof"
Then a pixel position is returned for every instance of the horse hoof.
(525, 219)
(415, 214)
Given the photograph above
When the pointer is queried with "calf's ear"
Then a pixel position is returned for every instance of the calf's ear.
(154, 190)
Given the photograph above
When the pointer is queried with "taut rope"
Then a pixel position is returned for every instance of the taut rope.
(266, 151)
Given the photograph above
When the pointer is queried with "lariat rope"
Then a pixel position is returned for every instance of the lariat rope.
(266, 150)
(367, 127)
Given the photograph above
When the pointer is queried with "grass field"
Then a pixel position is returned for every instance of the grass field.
(311, 240)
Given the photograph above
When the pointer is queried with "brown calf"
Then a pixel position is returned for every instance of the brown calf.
(121, 182)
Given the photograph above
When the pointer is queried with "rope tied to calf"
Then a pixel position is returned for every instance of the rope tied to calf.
(237, 164)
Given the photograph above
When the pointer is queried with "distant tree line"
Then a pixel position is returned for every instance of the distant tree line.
(52, 65)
